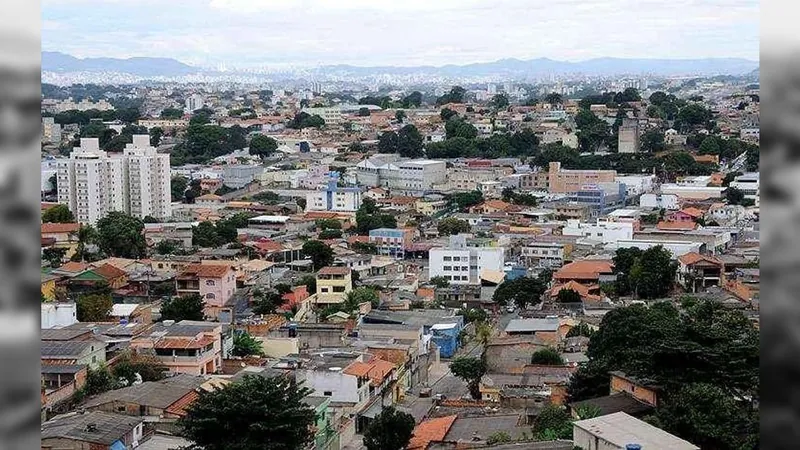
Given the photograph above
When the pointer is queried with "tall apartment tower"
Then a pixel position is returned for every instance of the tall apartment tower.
(629, 136)
(193, 103)
(93, 183)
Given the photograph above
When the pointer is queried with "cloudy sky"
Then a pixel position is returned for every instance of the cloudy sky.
(242, 33)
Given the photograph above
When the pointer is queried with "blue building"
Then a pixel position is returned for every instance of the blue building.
(391, 241)
(601, 198)
(445, 336)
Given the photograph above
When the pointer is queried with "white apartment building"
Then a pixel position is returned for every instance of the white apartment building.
(636, 184)
(603, 231)
(667, 201)
(404, 176)
(93, 183)
(692, 192)
(334, 198)
(543, 254)
(460, 264)
(194, 102)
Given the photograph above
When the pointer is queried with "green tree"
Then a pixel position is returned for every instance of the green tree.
(266, 302)
(58, 214)
(328, 224)
(87, 235)
(263, 146)
(520, 291)
(363, 112)
(409, 142)
(653, 273)
(54, 256)
(321, 255)
(624, 260)
(412, 100)
(456, 95)
(187, 307)
(389, 430)
(363, 294)
(439, 282)
(459, 128)
(400, 116)
(464, 200)
(592, 131)
(451, 225)
(499, 101)
(547, 357)
(99, 380)
(554, 98)
(473, 314)
(369, 217)
(709, 146)
(569, 296)
(205, 235)
(171, 113)
(167, 247)
(553, 422)
(256, 412)
(734, 196)
(129, 363)
(652, 141)
(94, 307)
(156, 133)
(446, 114)
(471, 370)
(121, 235)
(178, 185)
(246, 345)
(329, 234)
(499, 437)
(582, 329)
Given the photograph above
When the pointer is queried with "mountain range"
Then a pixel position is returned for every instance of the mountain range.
(509, 68)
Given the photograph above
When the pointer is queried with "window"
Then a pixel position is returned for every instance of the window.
(464, 278)
(456, 268)
(327, 394)
(464, 268)
(210, 295)
(210, 283)
(338, 289)
(447, 258)
(447, 268)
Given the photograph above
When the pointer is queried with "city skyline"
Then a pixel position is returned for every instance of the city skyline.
(257, 33)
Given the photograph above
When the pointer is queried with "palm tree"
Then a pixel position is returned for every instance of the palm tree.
(86, 235)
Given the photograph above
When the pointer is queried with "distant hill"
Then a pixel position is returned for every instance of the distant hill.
(546, 66)
(509, 68)
(144, 67)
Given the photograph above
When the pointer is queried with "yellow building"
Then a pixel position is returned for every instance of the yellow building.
(49, 287)
(333, 284)
(429, 208)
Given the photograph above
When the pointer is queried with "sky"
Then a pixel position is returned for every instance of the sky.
(257, 33)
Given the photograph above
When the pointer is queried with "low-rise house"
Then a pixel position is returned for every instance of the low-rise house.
(392, 241)
(60, 382)
(332, 376)
(588, 293)
(430, 430)
(90, 352)
(215, 283)
(63, 235)
(92, 430)
(333, 284)
(697, 272)
(586, 272)
(194, 348)
(616, 431)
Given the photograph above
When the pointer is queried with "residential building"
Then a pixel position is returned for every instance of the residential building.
(586, 271)
(636, 184)
(193, 103)
(333, 376)
(331, 115)
(92, 430)
(749, 184)
(194, 348)
(602, 198)
(90, 352)
(215, 283)
(333, 284)
(93, 183)
(409, 177)
(616, 431)
(692, 192)
(697, 272)
(602, 230)
(392, 241)
(58, 315)
(568, 181)
(238, 176)
(544, 254)
(629, 136)
(51, 131)
(334, 198)
(460, 264)
(670, 202)
(430, 207)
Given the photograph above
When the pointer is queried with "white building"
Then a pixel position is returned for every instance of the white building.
(749, 184)
(331, 115)
(404, 176)
(92, 183)
(334, 198)
(692, 192)
(193, 103)
(601, 231)
(460, 264)
(667, 201)
(58, 315)
(677, 248)
(636, 184)
(616, 431)
(238, 176)
(543, 254)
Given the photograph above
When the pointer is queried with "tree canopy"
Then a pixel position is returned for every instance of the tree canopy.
(58, 214)
(547, 357)
(521, 292)
(121, 235)
(370, 217)
(406, 142)
(389, 430)
(257, 413)
(187, 307)
(470, 370)
(263, 146)
(452, 225)
(648, 274)
(320, 254)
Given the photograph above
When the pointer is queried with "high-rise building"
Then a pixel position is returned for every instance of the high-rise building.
(629, 136)
(93, 183)
(194, 102)
(461, 263)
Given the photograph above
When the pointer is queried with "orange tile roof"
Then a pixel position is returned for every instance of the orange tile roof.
(170, 342)
(694, 257)
(206, 270)
(497, 204)
(380, 369)
(358, 369)
(73, 267)
(109, 272)
(330, 270)
(584, 270)
(48, 228)
(686, 226)
(430, 430)
(179, 407)
(691, 211)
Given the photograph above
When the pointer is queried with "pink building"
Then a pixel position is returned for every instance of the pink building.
(184, 347)
(214, 283)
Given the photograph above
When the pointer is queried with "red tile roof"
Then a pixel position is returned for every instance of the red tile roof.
(358, 369)
(48, 228)
(109, 272)
(73, 267)
(693, 212)
(206, 270)
(584, 270)
(170, 342)
(686, 226)
(430, 430)
(694, 257)
(179, 408)
(330, 270)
